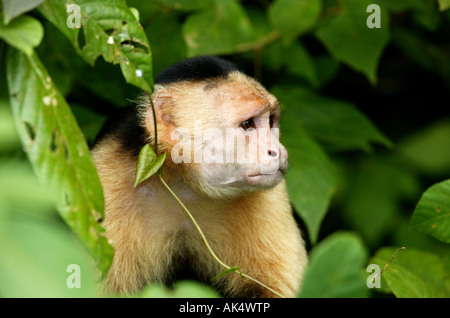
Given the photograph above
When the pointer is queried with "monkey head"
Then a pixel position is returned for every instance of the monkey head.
(220, 128)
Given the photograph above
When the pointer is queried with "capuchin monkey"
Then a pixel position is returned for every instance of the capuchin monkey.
(211, 121)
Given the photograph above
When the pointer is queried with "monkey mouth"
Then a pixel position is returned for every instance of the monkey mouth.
(265, 178)
(264, 174)
(279, 171)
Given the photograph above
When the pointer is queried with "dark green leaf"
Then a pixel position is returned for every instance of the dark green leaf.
(160, 28)
(310, 178)
(432, 213)
(292, 17)
(217, 30)
(338, 125)
(350, 40)
(295, 58)
(428, 149)
(300, 62)
(58, 151)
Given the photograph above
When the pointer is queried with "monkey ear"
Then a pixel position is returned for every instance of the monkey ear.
(162, 100)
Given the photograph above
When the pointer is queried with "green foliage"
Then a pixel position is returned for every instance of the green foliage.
(203, 31)
(349, 40)
(382, 177)
(432, 213)
(58, 151)
(111, 30)
(311, 178)
(36, 246)
(335, 266)
(293, 17)
(414, 273)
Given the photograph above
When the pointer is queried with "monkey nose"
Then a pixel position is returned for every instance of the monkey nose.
(272, 153)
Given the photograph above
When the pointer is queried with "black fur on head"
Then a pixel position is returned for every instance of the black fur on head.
(196, 69)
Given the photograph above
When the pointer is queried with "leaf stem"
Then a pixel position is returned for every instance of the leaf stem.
(387, 264)
(154, 125)
(193, 221)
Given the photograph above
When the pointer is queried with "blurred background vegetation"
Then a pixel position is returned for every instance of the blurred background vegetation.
(366, 120)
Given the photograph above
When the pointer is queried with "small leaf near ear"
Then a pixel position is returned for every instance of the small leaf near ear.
(229, 270)
(148, 164)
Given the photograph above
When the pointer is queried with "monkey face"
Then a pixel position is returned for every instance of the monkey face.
(239, 149)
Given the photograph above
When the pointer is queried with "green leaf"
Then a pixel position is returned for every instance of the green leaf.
(227, 271)
(375, 191)
(444, 5)
(301, 63)
(168, 27)
(432, 213)
(148, 164)
(334, 269)
(36, 248)
(293, 17)
(23, 33)
(326, 69)
(58, 151)
(295, 58)
(336, 124)
(35, 259)
(14, 8)
(310, 178)
(413, 273)
(348, 38)
(428, 149)
(110, 29)
(217, 30)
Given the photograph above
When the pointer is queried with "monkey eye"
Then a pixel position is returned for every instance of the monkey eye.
(249, 123)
